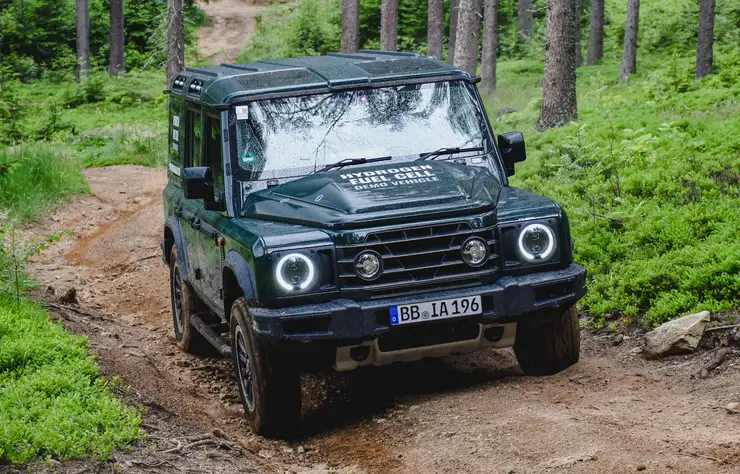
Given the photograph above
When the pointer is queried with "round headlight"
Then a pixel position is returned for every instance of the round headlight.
(368, 265)
(475, 252)
(294, 272)
(536, 243)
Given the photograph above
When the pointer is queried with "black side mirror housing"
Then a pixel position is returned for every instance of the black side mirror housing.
(511, 146)
(197, 183)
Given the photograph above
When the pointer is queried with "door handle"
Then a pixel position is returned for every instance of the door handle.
(195, 223)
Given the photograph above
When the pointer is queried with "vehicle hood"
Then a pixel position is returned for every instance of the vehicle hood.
(377, 194)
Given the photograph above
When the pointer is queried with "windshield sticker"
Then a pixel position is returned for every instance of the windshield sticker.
(389, 177)
(242, 112)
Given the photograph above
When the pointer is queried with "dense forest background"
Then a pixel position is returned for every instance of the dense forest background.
(649, 171)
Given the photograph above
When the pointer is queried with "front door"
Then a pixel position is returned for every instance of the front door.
(212, 251)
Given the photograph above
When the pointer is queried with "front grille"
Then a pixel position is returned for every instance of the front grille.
(417, 257)
(428, 335)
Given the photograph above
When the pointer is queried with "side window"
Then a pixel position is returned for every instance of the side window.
(213, 158)
(195, 143)
(175, 132)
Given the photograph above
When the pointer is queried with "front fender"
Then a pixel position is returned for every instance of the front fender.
(182, 255)
(243, 273)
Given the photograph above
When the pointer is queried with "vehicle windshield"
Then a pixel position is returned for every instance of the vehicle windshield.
(295, 136)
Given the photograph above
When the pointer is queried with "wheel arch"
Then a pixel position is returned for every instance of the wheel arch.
(238, 281)
(173, 238)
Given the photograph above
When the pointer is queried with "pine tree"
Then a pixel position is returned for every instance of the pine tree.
(82, 20)
(468, 35)
(350, 25)
(559, 84)
(524, 19)
(706, 38)
(454, 10)
(596, 33)
(389, 25)
(490, 43)
(175, 40)
(435, 17)
(116, 64)
(629, 53)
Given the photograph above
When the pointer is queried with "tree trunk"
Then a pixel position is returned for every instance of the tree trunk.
(596, 33)
(454, 10)
(468, 35)
(435, 17)
(82, 19)
(579, 15)
(629, 54)
(706, 38)
(117, 64)
(524, 19)
(490, 43)
(559, 84)
(350, 26)
(389, 25)
(175, 40)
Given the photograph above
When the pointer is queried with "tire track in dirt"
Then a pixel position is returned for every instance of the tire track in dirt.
(230, 25)
(613, 412)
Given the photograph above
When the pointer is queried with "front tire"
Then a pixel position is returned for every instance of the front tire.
(269, 384)
(184, 305)
(550, 343)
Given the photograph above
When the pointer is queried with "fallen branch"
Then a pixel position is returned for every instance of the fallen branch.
(72, 309)
(195, 444)
(722, 328)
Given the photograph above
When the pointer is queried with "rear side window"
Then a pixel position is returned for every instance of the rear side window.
(176, 135)
(213, 155)
(195, 143)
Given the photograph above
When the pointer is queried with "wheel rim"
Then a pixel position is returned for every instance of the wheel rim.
(244, 369)
(177, 302)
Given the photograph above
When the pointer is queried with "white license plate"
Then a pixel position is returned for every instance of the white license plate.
(434, 310)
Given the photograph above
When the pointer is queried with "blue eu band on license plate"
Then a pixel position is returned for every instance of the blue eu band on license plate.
(434, 310)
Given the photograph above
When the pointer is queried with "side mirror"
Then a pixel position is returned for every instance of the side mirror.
(511, 146)
(197, 183)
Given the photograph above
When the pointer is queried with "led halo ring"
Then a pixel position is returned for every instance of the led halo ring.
(380, 265)
(546, 254)
(485, 256)
(285, 285)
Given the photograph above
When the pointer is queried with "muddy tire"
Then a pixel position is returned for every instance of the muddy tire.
(549, 344)
(269, 384)
(184, 304)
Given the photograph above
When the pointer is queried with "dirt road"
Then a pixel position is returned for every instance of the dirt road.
(230, 24)
(612, 412)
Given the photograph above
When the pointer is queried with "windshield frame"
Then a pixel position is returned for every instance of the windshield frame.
(490, 146)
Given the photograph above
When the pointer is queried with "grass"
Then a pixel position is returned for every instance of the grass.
(53, 402)
(649, 175)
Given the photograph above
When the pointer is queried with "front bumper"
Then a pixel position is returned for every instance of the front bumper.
(345, 321)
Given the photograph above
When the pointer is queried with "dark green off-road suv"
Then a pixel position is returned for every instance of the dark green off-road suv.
(354, 210)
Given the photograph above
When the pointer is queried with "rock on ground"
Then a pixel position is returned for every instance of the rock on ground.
(679, 336)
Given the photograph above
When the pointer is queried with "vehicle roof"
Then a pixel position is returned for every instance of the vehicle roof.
(229, 83)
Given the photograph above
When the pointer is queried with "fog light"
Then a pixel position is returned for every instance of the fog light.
(475, 252)
(368, 265)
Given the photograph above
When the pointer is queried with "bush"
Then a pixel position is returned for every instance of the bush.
(53, 401)
(650, 177)
(34, 177)
(309, 27)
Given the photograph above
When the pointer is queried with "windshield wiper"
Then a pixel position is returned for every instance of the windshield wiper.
(448, 151)
(353, 161)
